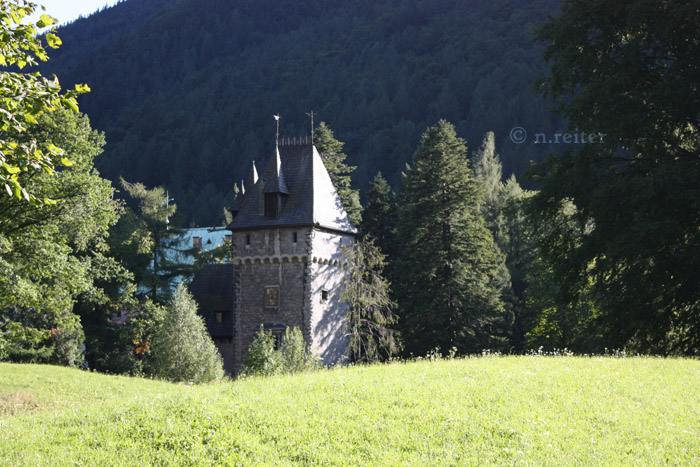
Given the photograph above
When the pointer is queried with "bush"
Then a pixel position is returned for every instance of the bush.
(182, 349)
(293, 356)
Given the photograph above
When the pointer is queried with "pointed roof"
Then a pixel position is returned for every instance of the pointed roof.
(252, 177)
(274, 177)
(312, 199)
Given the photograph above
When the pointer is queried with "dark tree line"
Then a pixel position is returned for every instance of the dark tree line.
(604, 254)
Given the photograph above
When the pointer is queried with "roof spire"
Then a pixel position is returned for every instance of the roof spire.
(277, 135)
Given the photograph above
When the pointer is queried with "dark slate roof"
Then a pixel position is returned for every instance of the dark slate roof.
(274, 177)
(212, 289)
(312, 199)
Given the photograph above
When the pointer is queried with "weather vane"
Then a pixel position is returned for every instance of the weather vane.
(311, 115)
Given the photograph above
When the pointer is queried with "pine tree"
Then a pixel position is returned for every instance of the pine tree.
(370, 311)
(445, 273)
(331, 151)
(376, 217)
(182, 348)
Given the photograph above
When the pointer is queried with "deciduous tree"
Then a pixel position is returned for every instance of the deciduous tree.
(24, 97)
(626, 74)
(51, 255)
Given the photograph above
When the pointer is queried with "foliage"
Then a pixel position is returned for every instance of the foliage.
(148, 245)
(182, 349)
(370, 314)
(52, 255)
(331, 151)
(552, 318)
(514, 410)
(24, 97)
(377, 217)
(489, 172)
(445, 272)
(627, 73)
(118, 334)
(292, 356)
(377, 72)
(262, 358)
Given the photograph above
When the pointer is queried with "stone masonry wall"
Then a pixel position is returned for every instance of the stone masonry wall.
(265, 259)
(302, 270)
(326, 309)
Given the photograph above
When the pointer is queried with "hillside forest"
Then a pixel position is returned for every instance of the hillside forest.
(184, 92)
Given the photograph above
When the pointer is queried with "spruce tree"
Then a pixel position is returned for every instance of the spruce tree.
(376, 217)
(331, 151)
(370, 315)
(446, 269)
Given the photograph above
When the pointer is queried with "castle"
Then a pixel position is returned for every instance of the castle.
(287, 234)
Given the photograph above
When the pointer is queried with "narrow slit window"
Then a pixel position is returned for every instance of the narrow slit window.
(295, 237)
(247, 239)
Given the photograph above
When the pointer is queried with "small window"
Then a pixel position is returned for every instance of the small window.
(247, 239)
(295, 237)
(197, 242)
(277, 330)
(278, 334)
(219, 317)
(324, 295)
(272, 296)
(228, 238)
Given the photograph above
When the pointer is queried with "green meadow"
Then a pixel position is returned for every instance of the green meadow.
(530, 410)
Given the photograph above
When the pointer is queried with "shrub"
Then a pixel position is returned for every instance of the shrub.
(182, 349)
(293, 356)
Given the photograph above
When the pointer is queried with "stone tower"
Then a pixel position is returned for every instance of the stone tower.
(288, 230)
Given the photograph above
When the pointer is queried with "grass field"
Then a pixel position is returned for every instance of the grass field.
(485, 411)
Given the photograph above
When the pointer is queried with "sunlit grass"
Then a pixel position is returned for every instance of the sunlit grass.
(495, 410)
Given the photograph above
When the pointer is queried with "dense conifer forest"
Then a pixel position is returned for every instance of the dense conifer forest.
(185, 90)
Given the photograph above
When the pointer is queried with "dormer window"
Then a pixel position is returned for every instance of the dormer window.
(271, 205)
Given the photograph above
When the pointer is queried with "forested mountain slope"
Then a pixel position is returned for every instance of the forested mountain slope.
(185, 90)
